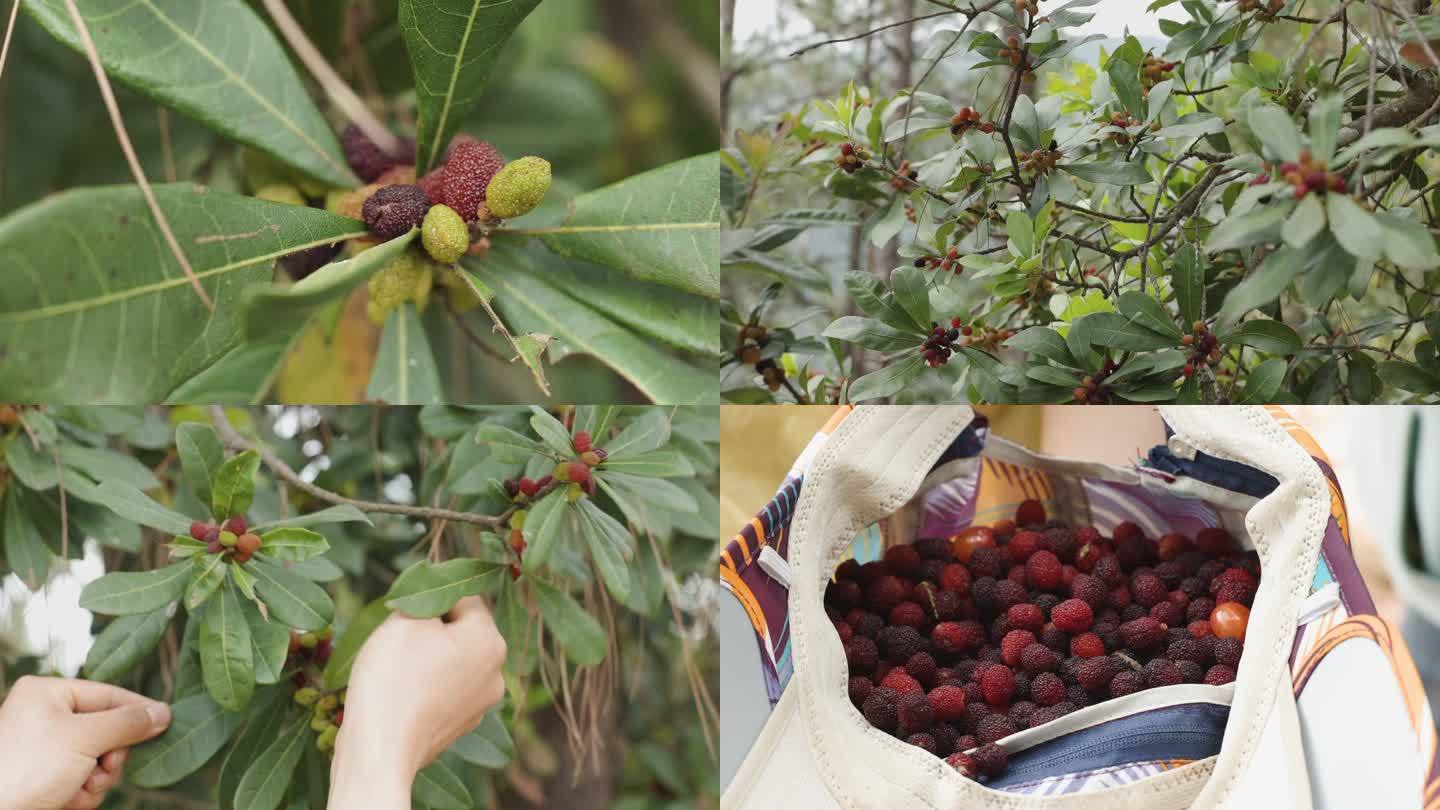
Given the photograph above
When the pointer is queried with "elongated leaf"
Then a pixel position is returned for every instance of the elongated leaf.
(551, 431)
(426, 589)
(1266, 335)
(489, 745)
(215, 61)
(579, 634)
(1408, 377)
(295, 601)
(1116, 173)
(1355, 228)
(437, 787)
(610, 546)
(1270, 279)
(208, 576)
(680, 319)
(405, 371)
(508, 445)
(1263, 382)
(234, 485)
(226, 657)
(103, 464)
(1148, 312)
(1042, 342)
(123, 643)
(661, 226)
(344, 513)
(132, 504)
(887, 380)
(453, 46)
(244, 376)
(1119, 332)
(551, 520)
(648, 431)
(267, 716)
(122, 320)
(272, 311)
(25, 550)
(122, 593)
(198, 729)
(270, 642)
(268, 777)
(871, 334)
(347, 645)
(663, 463)
(293, 544)
(201, 456)
(1188, 280)
(530, 302)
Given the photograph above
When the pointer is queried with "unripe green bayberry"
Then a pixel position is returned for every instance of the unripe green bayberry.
(326, 634)
(516, 189)
(574, 493)
(307, 696)
(280, 193)
(326, 741)
(562, 471)
(517, 520)
(407, 277)
(309, 640)
(444, 234)
(329, 703)
(228, 539)
(319, 723)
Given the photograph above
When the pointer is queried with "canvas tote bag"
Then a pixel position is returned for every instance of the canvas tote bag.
(1248, 469)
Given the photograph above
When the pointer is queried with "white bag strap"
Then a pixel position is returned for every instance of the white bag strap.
(875, 462)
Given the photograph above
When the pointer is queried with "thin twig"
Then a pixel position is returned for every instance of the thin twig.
(335, 87)
(9, 30)
(500, 327)
(108, 96)
(287, 474)
(873, 31)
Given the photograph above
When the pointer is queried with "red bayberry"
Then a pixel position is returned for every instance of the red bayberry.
(1030, 513)
(1072, 616)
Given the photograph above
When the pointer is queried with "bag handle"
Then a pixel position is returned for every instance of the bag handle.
(875, 462)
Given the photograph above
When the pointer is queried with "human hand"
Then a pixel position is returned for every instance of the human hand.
(64, 742)
(416, 687)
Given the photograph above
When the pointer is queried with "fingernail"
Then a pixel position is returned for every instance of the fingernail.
(159, 715)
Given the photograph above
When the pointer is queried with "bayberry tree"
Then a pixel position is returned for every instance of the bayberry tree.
(1242, 210)
(492, 205)
(249, 553)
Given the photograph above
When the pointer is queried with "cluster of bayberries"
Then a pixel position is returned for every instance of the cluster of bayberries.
(1091, 390)
(966, 118)
(1305, 175)
(230, 538)
(1155, 70)
(904, 177)
(955, 643)
(1012, 51)
(1267, 8)
(574, 475)
(940, 343)
(950, 261)
(752, 339)
(851, 157)
(1202, 347)
(308, 654)
(1040, 161)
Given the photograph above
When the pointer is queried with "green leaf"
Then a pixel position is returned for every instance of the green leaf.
(426, 590)
(348, 643)
(489, 745)
(226, 658)
(217, 63)
(871, 334)
(201, 456)
(273, 310)
(1263, 382)
(210, 572)
(661, 226)
(1408, 243)
(529, 301)
(132, 504)
(611, 547)
(1250, 228)
(1355, 228)
(1115, 331)
(268, 777)
(103, 464)
(1305, 222)
(869, 296)
(1269, 336)
(25, 551)
(267, 716)
(405, 371)
(1270, 279)
(293, 544)
(509, 445)
(1408, 377)
(122, 593)
(1187, 278)
(549, 429)
(301, 604)
(1042, 341)
(888, 380)
(437, 787)
(650, 430)
(577, 632)
(234, 486)
(1125, 81)
(453, 45)
(1362, 381)
(123, 643)
(1273, 126)
(985, 374)
(551, 519)
(912, 292)
(344, 513)
(1147, 312)
(269, 643)
(664, 463)
(1325, 125)
(1115, 173)
(198, 729)
(126, 323)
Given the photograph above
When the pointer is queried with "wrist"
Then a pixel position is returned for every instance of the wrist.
(369, 772)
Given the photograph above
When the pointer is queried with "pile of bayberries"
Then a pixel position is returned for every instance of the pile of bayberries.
(956, 643)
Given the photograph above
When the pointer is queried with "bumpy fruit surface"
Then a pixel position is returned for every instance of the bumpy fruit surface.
(228, 539)
(408, 277)
(369, 160)
(307, 696)
(394, 210)
(518, 188)
(590, 457)
(444, 234)
(468, 173)
(248, 544)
